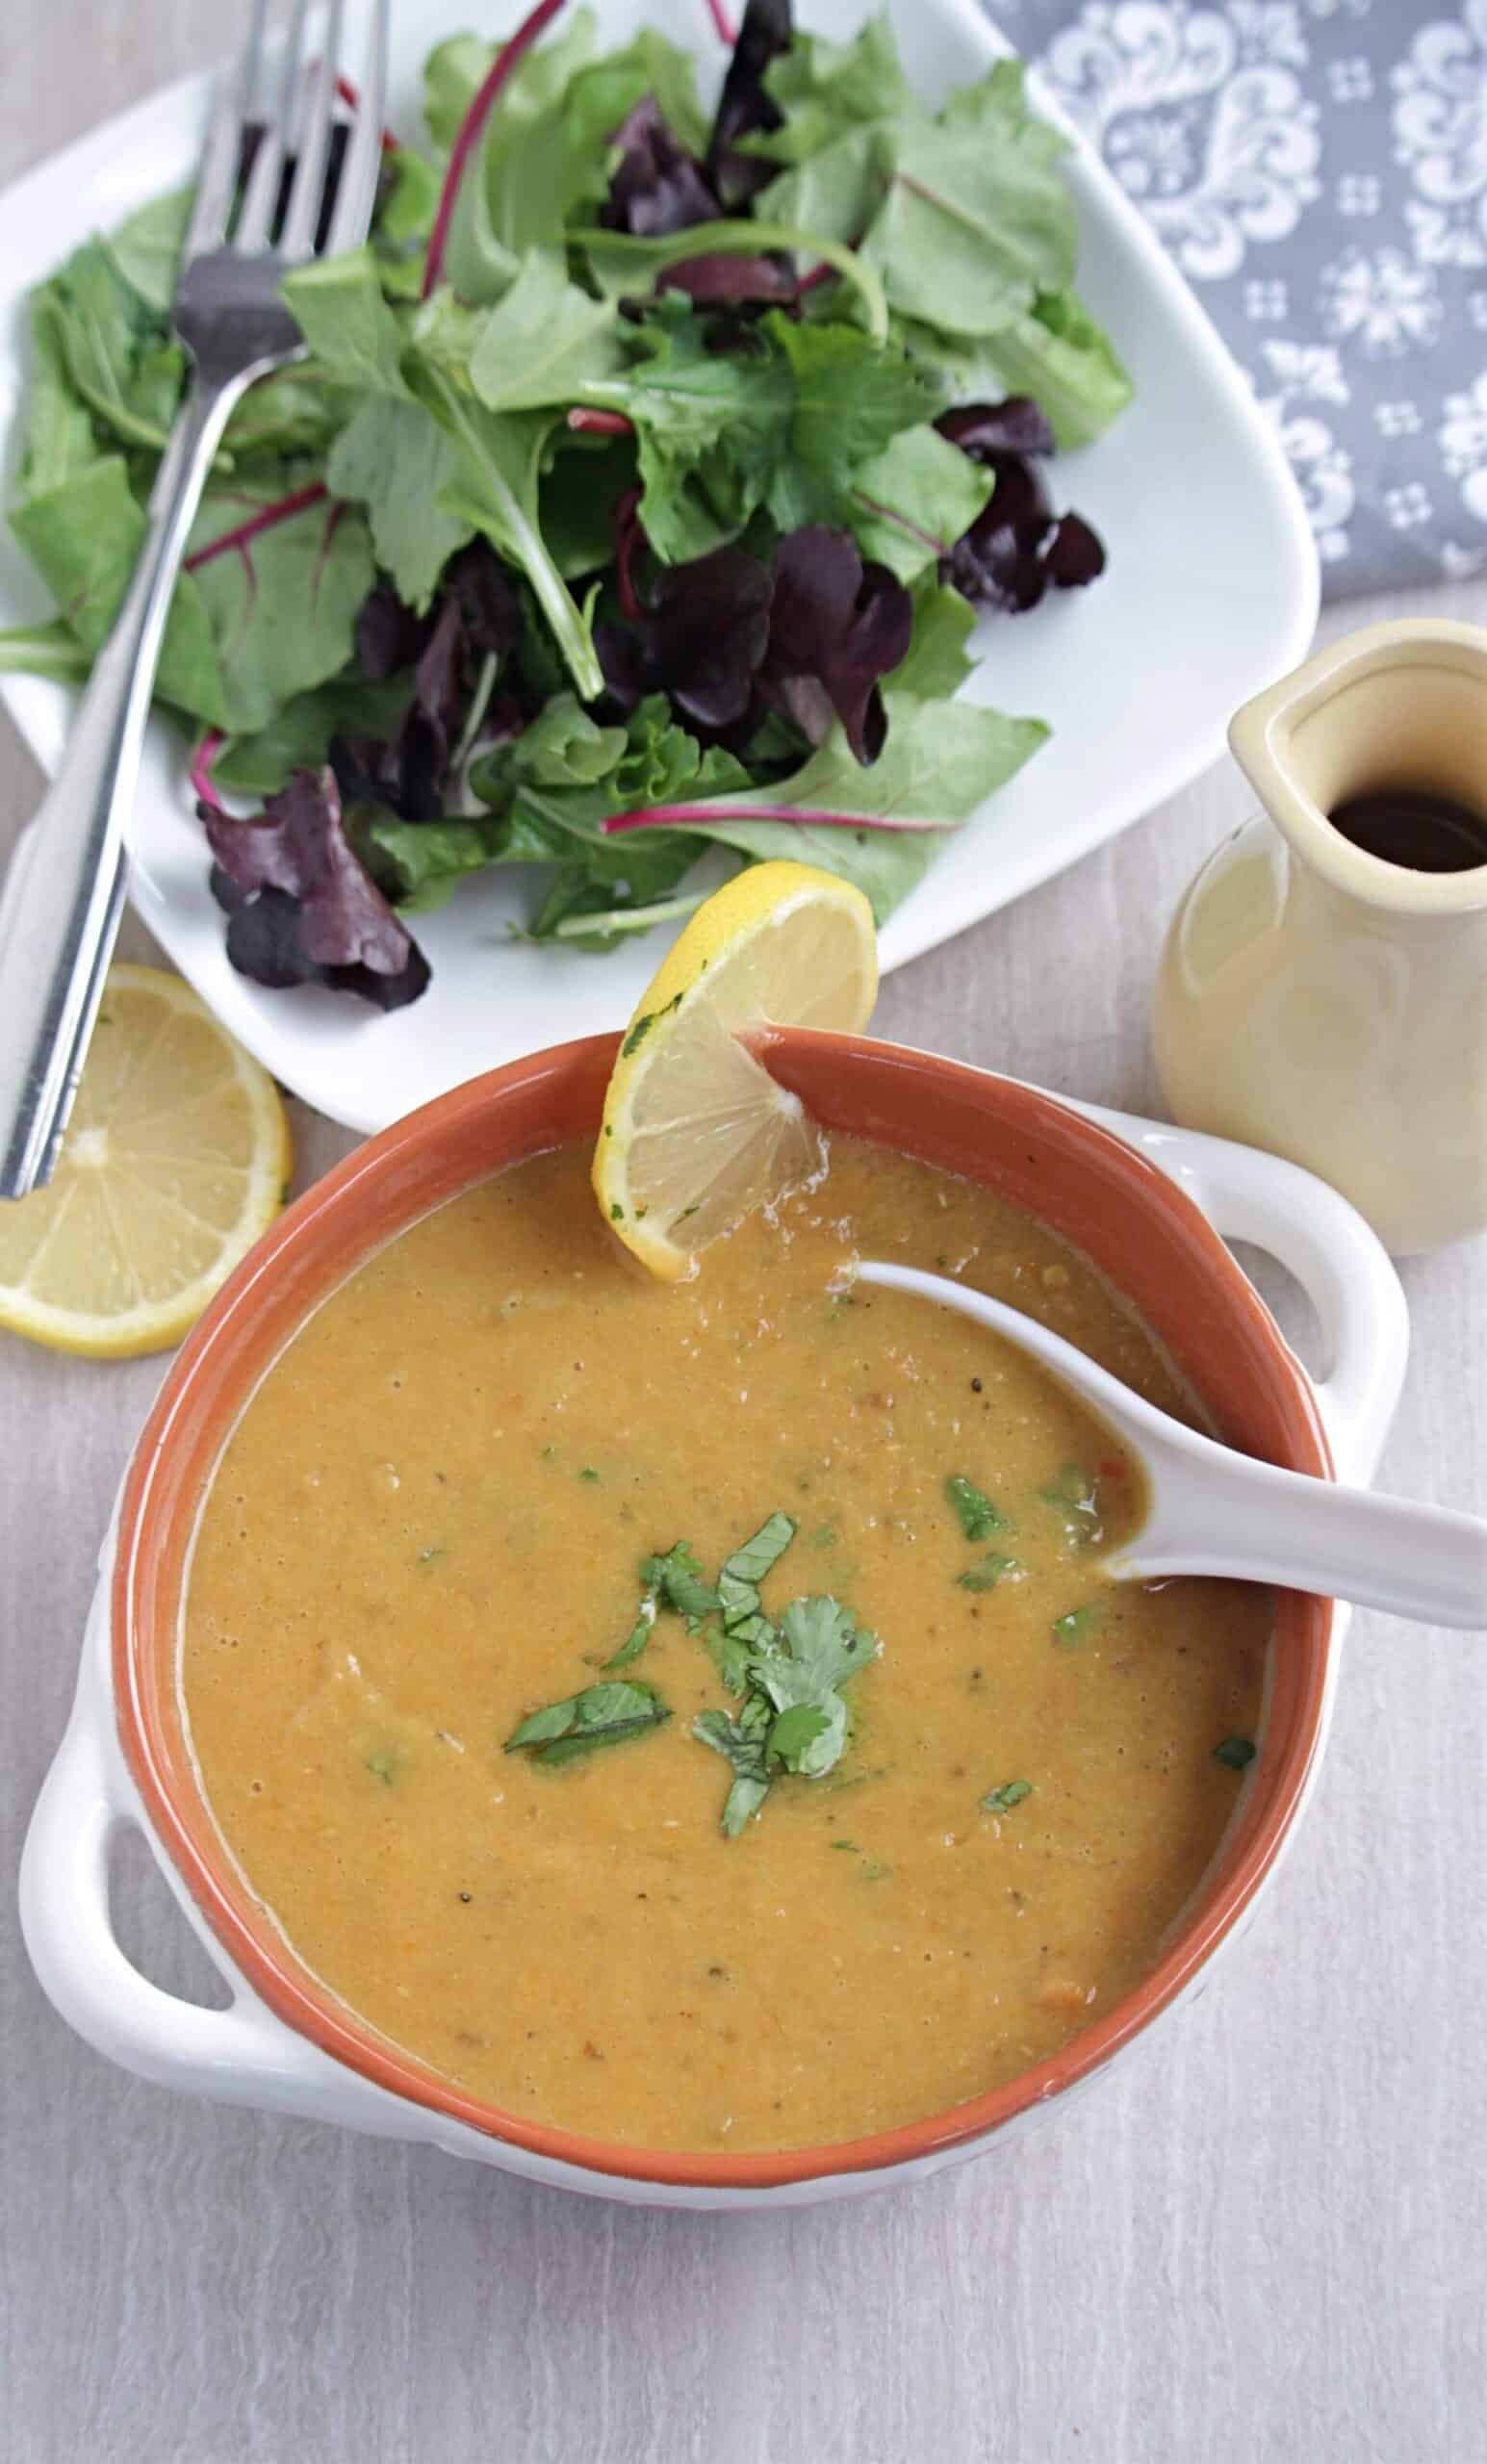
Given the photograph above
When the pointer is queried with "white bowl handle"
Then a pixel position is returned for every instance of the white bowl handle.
(242, 2055)
(1341, 1265)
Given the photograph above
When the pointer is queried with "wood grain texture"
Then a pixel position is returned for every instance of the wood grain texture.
(1261, 2239)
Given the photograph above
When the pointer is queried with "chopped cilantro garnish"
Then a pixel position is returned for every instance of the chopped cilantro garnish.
(589, 1473)
(1001, 1800)
(1235, 1753)
(1069, 1630)
(738, 1583)
(743, 1744)
(617, 1213)
(677, 1578)
(978, 1517)
(384, 1763)
(850, 1845)
(639, 1634)
(601, 1715)
(988, 1572)
(1077, 1497)
(637, 1034)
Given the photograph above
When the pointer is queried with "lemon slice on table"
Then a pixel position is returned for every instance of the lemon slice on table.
(696, 1132)
(176, 1157)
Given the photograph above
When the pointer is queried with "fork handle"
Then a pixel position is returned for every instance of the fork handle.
(62, 903)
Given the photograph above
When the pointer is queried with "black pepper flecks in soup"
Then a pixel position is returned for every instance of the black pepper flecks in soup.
(697, 1716)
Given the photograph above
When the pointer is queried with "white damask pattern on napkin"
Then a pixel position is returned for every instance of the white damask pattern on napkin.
(1318, 170)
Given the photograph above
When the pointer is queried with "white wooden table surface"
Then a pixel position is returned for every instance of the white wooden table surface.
(1265, 2238)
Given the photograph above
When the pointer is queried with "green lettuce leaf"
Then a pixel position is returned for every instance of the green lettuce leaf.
(1056, 351)
(941, 760)
(909, 503)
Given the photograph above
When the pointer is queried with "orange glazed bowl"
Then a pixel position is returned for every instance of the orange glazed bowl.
(286, 2042)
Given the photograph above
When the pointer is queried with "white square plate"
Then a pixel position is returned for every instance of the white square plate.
(1211, 593)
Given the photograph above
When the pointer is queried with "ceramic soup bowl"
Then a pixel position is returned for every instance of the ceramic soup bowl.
(1134, 1204)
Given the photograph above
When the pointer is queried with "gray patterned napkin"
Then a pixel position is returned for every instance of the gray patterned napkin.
(1317, 169)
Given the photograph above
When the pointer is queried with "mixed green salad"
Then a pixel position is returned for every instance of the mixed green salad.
(637, 493)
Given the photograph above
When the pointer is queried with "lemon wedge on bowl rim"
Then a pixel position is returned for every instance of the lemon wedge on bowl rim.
(696, 1132)
(176, 1157)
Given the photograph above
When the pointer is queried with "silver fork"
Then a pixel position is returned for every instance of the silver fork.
(61, 905)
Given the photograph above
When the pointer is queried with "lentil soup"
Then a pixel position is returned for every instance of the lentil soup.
(969, 1784)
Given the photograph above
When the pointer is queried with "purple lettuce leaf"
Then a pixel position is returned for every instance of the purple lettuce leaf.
(657, 186)
(477, 616)
(301, 906)
(745, 106)
(732, 282)
(699, 633)
(837, 626)
(1018, 545)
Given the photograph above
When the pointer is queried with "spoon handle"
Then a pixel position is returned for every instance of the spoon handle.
(1216, 1515)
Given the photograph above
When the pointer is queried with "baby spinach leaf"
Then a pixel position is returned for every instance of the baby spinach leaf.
(605, 1714)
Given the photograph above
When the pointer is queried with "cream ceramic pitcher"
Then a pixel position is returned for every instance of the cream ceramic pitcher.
(1319, 1000)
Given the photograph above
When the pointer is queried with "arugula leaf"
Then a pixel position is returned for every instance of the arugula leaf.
(1001, 1800)
(743, 1744)
(600, 1716)
(495, 491)
(677, 1578)
(974, 1510)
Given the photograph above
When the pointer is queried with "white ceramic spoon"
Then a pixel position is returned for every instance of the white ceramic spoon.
(1214, 1511)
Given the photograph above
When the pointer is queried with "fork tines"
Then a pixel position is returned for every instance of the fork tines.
(299, 192)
